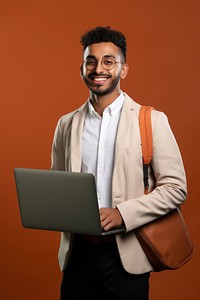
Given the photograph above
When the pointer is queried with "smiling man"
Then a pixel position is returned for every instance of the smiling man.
(103, 66)
(102, 137)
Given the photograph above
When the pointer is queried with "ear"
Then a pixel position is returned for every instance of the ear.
(81, 71)
(124, 72)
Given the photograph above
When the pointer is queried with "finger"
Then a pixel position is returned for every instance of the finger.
(105, 222)
(104, 213)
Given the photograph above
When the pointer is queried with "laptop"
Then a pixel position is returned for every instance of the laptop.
(59, 201)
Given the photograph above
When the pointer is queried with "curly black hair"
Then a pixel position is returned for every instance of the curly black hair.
(104, 34)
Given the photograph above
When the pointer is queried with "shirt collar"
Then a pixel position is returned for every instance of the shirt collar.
(113, 108)
(116, 105)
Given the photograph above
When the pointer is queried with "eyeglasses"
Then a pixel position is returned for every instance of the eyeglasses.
(108, 63)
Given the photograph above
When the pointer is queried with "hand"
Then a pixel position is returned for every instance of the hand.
(110, 217)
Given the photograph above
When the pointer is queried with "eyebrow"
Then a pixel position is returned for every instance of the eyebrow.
(106, 56)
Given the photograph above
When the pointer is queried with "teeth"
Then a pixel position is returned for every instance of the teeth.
(100, 79)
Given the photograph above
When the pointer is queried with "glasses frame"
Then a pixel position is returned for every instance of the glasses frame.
(97, 61)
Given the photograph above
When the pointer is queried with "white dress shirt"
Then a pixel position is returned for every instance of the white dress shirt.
(98, 147)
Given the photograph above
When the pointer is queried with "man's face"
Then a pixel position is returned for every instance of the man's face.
(99, 78)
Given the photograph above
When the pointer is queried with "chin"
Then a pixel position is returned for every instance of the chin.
(101, 93)
(104, 92)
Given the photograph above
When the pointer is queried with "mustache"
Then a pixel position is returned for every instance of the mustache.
(94, 74)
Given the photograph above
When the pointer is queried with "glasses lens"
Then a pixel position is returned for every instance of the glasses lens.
(90, 63)
(108, 63)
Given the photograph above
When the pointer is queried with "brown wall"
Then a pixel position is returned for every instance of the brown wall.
(39, 81)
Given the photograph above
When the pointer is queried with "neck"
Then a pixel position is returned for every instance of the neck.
(100, 102)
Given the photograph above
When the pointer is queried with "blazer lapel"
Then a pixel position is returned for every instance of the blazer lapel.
(128, 116)
(76, 138)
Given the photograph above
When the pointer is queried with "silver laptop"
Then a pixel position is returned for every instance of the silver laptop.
(60, 201)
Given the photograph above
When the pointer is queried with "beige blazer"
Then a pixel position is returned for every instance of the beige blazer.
(167, 184)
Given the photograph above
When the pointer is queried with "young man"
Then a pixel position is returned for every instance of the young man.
(102, 137)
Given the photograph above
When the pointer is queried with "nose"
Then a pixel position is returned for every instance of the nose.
(99, 68)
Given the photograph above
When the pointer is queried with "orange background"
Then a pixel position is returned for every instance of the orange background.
(40, 56)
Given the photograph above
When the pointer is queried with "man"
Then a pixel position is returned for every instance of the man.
(102, 137)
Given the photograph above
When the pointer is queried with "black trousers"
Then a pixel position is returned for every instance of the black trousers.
(95, 272)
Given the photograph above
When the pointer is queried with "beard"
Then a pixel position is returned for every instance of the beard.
(97, 90)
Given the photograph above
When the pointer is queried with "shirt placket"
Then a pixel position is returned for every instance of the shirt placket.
(101, 159)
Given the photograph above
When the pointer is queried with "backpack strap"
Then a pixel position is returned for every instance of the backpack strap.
(147, 142)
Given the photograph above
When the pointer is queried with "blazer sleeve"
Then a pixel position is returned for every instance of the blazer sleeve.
(167, 181)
